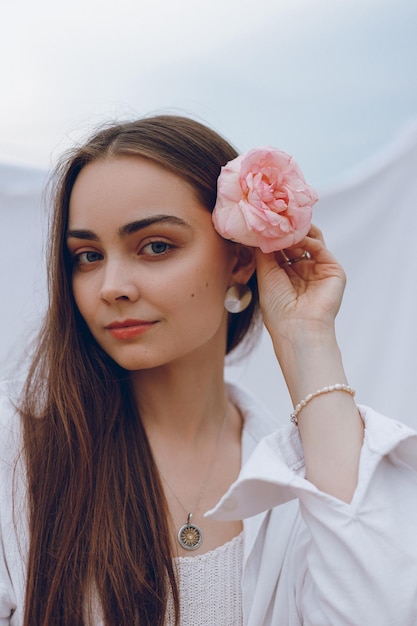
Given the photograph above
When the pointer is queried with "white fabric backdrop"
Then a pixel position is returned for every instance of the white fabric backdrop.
(22, 276)
(369, 220)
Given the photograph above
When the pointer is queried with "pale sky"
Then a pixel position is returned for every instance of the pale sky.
(331, 81)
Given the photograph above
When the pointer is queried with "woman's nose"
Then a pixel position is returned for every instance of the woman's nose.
(119, 283)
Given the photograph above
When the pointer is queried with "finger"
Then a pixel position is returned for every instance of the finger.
(266, 261)
(297, 252)
(269, 267)
(296, 255)
(314, 244)
(317, 248)
(315, 233)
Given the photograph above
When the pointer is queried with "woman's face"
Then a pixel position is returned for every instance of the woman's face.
(149, 271)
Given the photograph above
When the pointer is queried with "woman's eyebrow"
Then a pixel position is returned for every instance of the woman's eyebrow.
(130, 228)
(81, 233)
(133, 227)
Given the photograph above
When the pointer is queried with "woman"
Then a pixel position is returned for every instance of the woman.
(129, 433)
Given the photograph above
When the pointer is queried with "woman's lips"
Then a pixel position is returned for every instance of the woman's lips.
(128, 328)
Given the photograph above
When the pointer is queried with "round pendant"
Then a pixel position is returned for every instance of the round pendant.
(190, 536)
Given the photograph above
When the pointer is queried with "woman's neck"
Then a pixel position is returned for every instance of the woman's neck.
(182, 401)
(195, 436)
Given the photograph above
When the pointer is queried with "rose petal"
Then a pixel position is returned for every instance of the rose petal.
(263, 200)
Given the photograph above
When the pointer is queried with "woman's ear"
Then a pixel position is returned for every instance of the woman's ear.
(245, 264)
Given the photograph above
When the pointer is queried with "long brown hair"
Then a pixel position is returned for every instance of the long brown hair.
(98, 518)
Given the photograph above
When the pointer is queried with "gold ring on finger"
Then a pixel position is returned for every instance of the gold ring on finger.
(306, 256)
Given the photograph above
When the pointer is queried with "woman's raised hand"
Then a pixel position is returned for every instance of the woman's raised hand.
(307, 291)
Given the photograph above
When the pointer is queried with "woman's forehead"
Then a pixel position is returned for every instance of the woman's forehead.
(115, 201)
(131, 188)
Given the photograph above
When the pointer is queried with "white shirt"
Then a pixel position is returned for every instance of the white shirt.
(309, 559)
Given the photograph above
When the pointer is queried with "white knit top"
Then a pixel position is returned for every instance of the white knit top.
(210, 587)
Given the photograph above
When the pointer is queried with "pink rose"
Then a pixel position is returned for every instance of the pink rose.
(263, 200)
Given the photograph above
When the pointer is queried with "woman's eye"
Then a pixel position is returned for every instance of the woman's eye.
(84, 258)
(156, 248)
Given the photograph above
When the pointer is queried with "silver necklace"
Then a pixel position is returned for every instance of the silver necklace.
(190, 536)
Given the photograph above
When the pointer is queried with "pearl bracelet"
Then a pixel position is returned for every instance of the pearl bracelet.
(299, 407)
